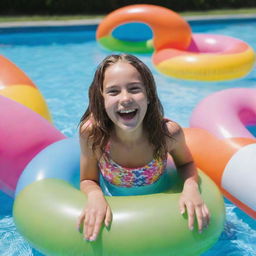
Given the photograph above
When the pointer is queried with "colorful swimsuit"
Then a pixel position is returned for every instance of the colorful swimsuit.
(130, 177)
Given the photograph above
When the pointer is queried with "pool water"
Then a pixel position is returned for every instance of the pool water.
(61, 62)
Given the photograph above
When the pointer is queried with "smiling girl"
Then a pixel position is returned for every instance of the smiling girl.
(125, 141)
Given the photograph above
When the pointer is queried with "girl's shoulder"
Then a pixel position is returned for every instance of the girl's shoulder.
(86, 127)
(174, 136)
(173, 128)
(86, 138)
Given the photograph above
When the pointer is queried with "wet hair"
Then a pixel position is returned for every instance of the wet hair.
(101, 125)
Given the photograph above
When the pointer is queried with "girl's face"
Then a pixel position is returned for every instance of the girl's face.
(125, 96)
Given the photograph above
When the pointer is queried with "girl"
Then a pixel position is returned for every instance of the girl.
(124, 128)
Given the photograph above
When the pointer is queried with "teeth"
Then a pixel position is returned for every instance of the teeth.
(126, 111)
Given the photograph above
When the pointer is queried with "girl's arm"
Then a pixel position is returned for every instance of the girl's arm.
(190, 199)
(96, 210)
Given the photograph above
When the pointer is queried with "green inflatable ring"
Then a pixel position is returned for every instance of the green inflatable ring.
(46, 213)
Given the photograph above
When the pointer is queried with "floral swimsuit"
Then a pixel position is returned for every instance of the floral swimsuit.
(130, 177)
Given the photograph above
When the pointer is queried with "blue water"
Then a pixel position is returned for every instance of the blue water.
(61, 62)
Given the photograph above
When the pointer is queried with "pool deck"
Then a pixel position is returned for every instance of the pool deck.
(80, 22)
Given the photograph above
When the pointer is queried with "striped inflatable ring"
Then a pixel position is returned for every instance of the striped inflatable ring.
(228, 157)
(208, 58)
(24, 124)
(16, 85)
(177, 52)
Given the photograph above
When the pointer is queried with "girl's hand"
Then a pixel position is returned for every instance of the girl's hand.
(192, 201)
(95, 213)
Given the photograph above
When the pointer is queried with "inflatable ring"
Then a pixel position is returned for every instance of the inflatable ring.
(16, 85)
(20, 141)
(178, 53)
(169, 29)
(231, 111)
(208, 58)
(231, 148)
(48, 204)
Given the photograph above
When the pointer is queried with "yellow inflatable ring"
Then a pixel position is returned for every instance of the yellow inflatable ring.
(208, 58)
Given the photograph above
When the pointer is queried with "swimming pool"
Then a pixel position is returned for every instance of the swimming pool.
(61, 62)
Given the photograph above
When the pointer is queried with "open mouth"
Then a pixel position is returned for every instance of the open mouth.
(127, 114)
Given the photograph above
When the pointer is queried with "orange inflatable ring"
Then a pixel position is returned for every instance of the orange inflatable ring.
(217, 155)
(177, 53)
(170, 30)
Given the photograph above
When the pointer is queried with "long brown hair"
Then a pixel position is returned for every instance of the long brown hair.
(154, 122)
